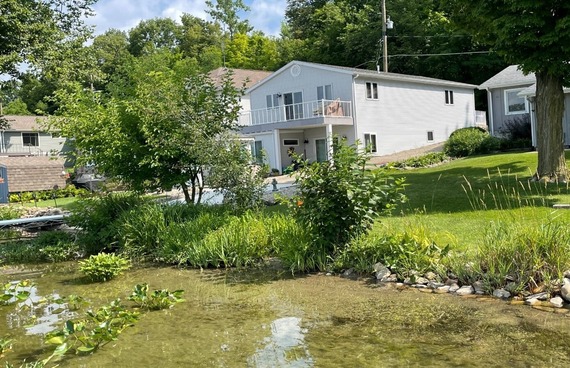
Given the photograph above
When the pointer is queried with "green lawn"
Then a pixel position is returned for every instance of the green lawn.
(63, 203)
(457, 200)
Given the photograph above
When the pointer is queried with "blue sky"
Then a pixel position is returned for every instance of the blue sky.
(264, 15)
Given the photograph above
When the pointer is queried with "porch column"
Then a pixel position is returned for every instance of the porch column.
(329, 141)
(277, 143)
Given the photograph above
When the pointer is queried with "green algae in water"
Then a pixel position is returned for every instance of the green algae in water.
(259, 319)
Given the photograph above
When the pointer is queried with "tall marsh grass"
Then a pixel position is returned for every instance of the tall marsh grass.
(520, 257)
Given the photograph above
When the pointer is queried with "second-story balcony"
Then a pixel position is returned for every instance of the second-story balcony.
(301, 115)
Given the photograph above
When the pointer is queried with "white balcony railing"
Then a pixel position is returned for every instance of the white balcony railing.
(304, 110)
(10, 148)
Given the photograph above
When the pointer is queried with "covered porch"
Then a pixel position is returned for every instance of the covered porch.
(279, 146)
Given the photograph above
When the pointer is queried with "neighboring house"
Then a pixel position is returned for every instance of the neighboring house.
(302, 105)
(511, 95)
(241, 78)
(31, 156)
(26, 137)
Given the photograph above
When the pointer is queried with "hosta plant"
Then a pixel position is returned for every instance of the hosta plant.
(103, 267)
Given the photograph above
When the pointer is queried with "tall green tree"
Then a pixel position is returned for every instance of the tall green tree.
(535, 34)
(159, 130)
(154, 34)
(226, 13)
(201, 40)
(31, 28)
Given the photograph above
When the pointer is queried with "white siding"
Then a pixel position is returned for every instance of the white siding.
(405, 112)
(269, 148)
(306, 82)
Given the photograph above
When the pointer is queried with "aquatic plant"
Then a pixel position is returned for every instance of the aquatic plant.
(99, 328)
(103, 266)
(157, 300)
(12, 292)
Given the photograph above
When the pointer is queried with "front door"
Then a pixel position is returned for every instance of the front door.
(293, 105)
(321, 145)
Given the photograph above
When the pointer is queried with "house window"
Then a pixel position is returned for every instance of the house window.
(371, 91)
(370, 142)
(290, 142)
(448, 97)
(30, 139)
(272, 100)
(324, 92)
(258, 152)
(514, 104)
(430, 136)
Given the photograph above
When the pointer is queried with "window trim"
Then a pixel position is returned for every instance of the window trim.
(506, 102)
(372, 91)
(37, 139)
(374, 148)
(449, 97)
(291, 144)
(324, 89)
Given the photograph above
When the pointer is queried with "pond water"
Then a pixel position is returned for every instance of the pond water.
(266, 319)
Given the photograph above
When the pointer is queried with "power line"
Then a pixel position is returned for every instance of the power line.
(442, 54)
(434, 36)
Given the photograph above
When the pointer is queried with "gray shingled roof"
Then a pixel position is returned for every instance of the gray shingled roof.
(511, 76)
(23, 123)
(250, 77)
(371, 74)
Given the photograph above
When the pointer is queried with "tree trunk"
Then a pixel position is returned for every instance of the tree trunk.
(186, 194)
(549, 131)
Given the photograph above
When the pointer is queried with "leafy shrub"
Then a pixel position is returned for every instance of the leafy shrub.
(517, 128)
(339, 199)
(42, 195)
(98, 218)
(104, 267)
(470, 141)
(10, 213)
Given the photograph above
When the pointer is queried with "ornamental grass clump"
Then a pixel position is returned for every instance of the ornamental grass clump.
(104, 267)
(523, 258)
(407, 253)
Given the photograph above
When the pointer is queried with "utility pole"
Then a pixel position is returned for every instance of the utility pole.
(384, 38)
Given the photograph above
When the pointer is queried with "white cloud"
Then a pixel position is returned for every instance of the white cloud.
(265, 15)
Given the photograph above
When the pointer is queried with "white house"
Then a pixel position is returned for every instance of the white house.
(510, 96)
(302, 105)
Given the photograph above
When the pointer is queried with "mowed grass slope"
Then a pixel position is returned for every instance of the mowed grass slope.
(459, 199)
